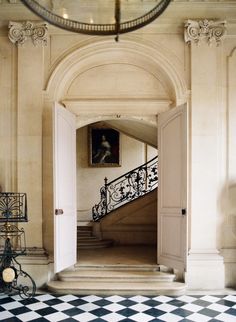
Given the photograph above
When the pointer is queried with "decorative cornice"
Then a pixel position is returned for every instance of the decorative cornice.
(19, 32)
(209, 30)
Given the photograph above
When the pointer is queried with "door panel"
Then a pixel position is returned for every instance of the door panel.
(64, 166)
(172, 188)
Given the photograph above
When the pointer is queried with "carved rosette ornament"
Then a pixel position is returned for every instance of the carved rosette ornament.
(19, 32)
(209, 30)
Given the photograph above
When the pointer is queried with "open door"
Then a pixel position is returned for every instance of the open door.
(172, 188)
(64, 180)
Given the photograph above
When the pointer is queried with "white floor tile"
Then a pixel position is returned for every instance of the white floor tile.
(29, 316)
(114, 307)
(192, 307)
(139, 298)
(115, 298)
(92, 298)
(63, 306)
(218, 307)
(44, 297)
(226, 317)
(196, 317)
(163, 299)
(68, 298)
(37, 306)
(209, 298)
(84, 317)
(140, 307)
(11, 305)
(169, 317)
(166, 307)
(88, 307)
(113, 317)
(231, 298)
(16, 297)
(141, 317)
(186, 298)
(56, 317)
(5, 315)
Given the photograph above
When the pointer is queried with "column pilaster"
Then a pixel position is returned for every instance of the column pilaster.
(205, 264)
(29, 39)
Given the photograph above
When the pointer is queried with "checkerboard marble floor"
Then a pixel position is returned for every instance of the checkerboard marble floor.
(69, 308)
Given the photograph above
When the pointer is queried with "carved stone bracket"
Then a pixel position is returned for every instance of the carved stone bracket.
(209, 30)
(19, 32)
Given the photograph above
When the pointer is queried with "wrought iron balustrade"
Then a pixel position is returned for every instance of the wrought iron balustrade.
(126, 188)
(13, 279)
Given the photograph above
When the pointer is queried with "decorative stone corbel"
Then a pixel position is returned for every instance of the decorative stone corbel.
(19, 32)
(209, 30)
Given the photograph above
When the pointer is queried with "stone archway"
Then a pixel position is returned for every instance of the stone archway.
(159, 67)
(155, 60)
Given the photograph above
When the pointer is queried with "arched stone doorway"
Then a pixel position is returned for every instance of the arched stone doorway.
(103, 81)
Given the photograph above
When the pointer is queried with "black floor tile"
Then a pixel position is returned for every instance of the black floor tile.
(46, 311)
(208, 312)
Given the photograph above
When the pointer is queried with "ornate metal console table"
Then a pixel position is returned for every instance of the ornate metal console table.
(13, 209)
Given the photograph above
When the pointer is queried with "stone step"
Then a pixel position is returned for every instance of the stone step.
(84, 233)
(86, 238)
(117, 267)
(84, 228)
(115, 275)
(94, 243)
(117, 288)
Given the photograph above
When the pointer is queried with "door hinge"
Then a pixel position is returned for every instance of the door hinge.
(59, 212)
(183, 211)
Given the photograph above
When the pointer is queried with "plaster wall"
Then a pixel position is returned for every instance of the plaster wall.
(133, 224)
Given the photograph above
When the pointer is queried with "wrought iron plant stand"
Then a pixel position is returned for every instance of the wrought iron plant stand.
(13, 279)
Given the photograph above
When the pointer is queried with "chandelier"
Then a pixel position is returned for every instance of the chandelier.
(98, 17)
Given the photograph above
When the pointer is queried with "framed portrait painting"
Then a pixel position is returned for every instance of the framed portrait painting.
(104, 147)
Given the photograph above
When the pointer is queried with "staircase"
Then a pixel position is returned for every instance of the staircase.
(101, 269)
(86, 240)
(126, 188)
(119, 280)
(112, 271)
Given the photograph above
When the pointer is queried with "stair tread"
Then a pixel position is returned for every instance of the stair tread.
(115, 285)
(92, 242)
(116, 266)
(87, 238)
(105, 288)
(115, 273)
(112, 276)
(84, 228)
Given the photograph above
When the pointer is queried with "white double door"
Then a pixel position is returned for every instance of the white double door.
(172, 190)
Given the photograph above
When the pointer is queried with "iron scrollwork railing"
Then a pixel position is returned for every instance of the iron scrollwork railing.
(13, 279)
(126, 188)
